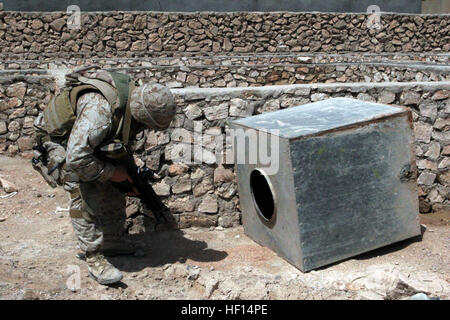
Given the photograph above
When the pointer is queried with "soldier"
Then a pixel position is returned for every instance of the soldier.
(97, 207)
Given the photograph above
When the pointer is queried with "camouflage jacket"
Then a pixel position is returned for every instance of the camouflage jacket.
(91, 128)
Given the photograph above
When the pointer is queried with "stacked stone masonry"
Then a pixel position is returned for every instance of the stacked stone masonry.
(255, 70)
(32, 35)
(323, 54)
(206, 194)
(231, 49)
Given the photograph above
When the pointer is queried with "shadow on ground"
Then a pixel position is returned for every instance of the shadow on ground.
(164, 247)
(392, 247)
(383, 250)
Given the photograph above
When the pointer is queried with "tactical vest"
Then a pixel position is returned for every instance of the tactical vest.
(60, 114)
(59, 117)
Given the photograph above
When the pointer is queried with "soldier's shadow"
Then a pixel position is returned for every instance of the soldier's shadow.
(166, 247)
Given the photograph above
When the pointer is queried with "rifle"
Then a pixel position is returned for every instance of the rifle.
(40, 162)
(142, 178)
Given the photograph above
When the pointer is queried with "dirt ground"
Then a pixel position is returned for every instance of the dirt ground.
(38, 259)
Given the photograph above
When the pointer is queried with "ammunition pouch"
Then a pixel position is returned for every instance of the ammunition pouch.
(59, 115)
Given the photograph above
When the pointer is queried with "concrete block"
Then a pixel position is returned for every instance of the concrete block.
(346, 182)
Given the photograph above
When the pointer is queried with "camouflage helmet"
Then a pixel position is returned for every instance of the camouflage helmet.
(153, 105)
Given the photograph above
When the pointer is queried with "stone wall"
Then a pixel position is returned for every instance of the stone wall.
(205, 194)
(35, 35)
(237, 52)
(254, 70)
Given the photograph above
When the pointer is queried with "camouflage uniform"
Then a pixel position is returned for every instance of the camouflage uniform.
(97, 208)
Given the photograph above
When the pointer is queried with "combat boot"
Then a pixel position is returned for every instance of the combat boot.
(101, 270)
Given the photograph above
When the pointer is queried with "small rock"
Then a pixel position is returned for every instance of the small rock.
(365, 97)
(318, 97)
(17, 90)
(445, 163)
(223, 175)
(426, 164)
(423, 131)
(181, 205)
(203, 187)
(8, 186)
(132, 209)
(177, 169)
(304, 59)
(3, 127)
(30, 295)
(58, 24)
(210, 287)
(426, 178)
(428, 110)
(193, 272)
(433, 151)
(419, 296)
(441, 95)
(226, 221)
(400, 289)
(162, 188)
(216, 112)
(386, 97)
(410, 98)
(441, 124)
(271, 105)
(192, 111)
(36, 24)
(183, 184)
(435, 197)
(240, 108)
(208, 205)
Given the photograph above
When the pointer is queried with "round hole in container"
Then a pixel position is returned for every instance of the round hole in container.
(262, 194)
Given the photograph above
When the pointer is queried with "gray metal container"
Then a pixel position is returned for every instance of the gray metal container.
(346, 182)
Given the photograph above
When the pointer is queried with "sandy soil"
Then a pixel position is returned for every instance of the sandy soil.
(38, 256)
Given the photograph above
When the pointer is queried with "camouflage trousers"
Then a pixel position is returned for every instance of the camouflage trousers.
(97, 211)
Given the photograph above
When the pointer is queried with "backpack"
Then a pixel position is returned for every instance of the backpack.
(54, 125)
